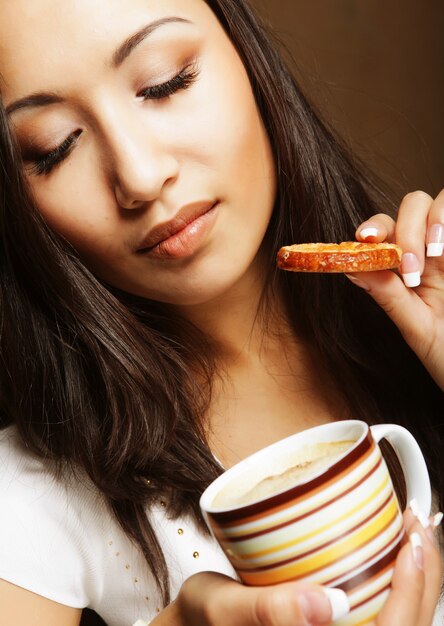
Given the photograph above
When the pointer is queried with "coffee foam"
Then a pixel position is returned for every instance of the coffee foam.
(307, 462)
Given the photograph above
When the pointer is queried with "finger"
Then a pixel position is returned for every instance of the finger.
(413, 514)
(431, 523)
(433, 571)
(378, 228)
(295, 604)
(409, 520)
(435, 228)
(410, 235)
(432, 563)
(401, 304)
(403, 606)
(227, 602)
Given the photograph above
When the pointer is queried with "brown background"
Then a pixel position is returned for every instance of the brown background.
(375, 69)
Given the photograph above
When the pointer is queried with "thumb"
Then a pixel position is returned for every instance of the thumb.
(403, 305)
(296, 604)
(228, 602)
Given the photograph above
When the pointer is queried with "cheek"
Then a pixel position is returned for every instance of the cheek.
(231, 130)
(76, 206)
(245, 157)
(218, 117)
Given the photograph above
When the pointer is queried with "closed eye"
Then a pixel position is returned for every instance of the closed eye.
(181, 81)
(42, 164)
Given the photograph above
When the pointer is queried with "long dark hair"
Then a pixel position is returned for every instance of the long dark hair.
(117, 386)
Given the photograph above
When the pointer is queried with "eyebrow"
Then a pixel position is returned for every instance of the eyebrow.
(41, 99)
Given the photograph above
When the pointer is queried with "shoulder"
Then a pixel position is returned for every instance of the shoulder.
(24, 479)
(49, 528)
(31, 483)
(19, 468)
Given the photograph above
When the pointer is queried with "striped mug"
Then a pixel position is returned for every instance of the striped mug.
(319, 506)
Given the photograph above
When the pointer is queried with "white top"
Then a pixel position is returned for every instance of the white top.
(60, 541)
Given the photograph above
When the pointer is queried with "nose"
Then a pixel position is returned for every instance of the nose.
(141, 166)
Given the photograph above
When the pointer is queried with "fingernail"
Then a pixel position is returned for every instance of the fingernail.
(437, 520)
(325, 605)
(414, 506)
(423, 519)
(417, 550)
(410, 270)
(340, 606)
(369, 231)
(420, 515)
(358, 282)
(435, 245)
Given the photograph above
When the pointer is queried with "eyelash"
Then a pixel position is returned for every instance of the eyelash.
(45, 163)
(182, 81)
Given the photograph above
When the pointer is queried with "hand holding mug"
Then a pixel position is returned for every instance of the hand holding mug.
(340, 526)
(210, 599)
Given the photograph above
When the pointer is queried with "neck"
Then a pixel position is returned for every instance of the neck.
(268, 383)
(234, 319)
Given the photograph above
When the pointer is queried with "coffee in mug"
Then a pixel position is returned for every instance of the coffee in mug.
(311, 459)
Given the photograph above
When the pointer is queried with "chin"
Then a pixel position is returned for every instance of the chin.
(201, 291)
(211, 280)
(189, 297)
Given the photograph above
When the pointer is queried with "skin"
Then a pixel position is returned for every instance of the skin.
(135, 163)
(419, 312)
(141, 161)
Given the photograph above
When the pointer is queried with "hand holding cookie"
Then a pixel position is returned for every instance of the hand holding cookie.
(414, 297)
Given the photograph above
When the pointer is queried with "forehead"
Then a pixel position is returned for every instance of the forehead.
(42, 42)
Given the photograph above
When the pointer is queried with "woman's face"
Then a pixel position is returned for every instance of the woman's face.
(141, 140)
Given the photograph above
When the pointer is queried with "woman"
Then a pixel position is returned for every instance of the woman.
(155, 155)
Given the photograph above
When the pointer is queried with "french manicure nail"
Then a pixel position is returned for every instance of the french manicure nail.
(423, 519)
(430, 531)
(420, 515)
(435, 245)
(324, 605)
(437, 520)
(417, 550)
(370, 231)
(340, 606)
(410, 270)
(414, 506)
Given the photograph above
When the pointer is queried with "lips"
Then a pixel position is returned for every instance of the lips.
(186, 216)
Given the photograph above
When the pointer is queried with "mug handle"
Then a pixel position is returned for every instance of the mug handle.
(412, 462)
